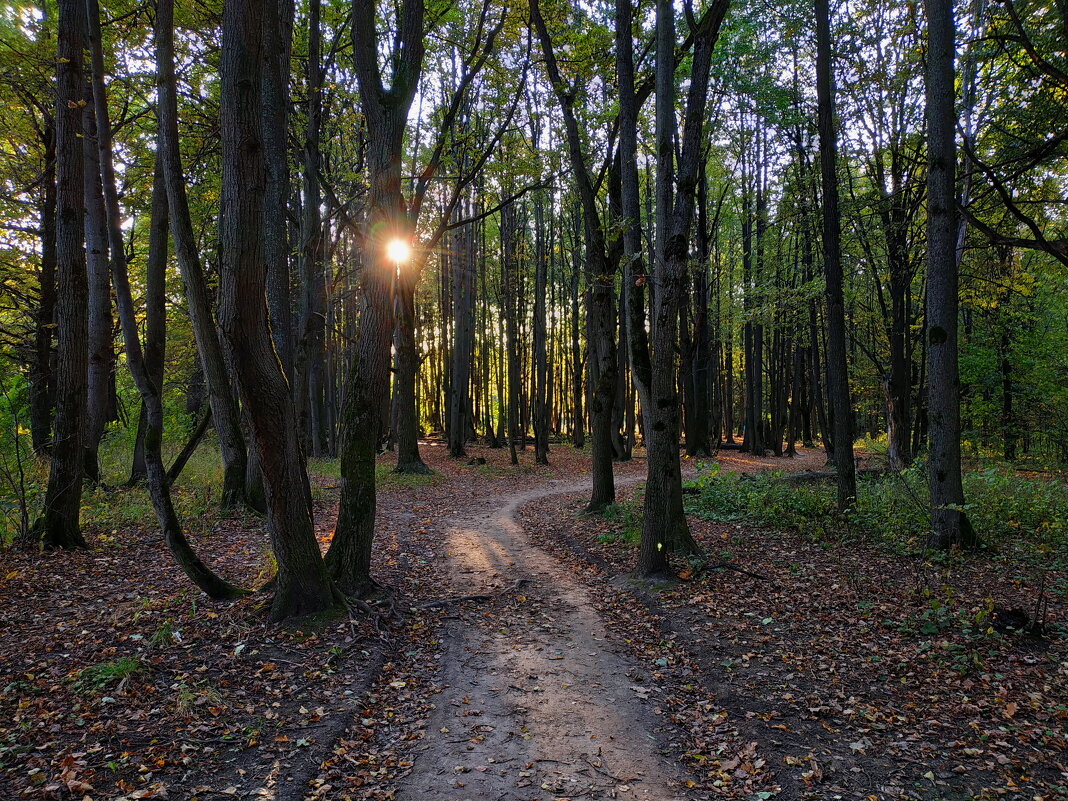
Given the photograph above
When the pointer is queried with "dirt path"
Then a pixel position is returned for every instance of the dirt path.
(535, 701)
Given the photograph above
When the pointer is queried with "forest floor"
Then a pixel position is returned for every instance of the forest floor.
(785, 668)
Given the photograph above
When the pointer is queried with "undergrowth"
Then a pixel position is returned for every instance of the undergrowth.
(1013, 514)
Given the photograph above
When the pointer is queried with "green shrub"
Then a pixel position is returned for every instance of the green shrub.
(625, 521)
(96, 678)
(1009, 511)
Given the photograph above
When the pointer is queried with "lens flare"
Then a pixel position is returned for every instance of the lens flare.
(398, 251)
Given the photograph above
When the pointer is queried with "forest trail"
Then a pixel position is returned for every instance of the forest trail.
(540, 703)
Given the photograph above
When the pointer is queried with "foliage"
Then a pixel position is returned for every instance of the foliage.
(1013, 514)
(104, 675)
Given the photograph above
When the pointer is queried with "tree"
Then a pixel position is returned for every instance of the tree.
(949, 522)
(363, 415)
(60, 524)
(148, 378)
(664, 525)
(220, 394)
(837, 370)
(302, 586)
(600, 271)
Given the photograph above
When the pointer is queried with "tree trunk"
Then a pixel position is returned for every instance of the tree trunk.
(407, 422)
(949, 523)
(578, 425)
(837, 370)
(100, 332)
(155, 310)
(42, 388)
(60, 523)
(220, 395)
(301, 586)
(278, 33)
(309, 384)
(462, 290)
(664, 525)
(541, 364)
(363, 415)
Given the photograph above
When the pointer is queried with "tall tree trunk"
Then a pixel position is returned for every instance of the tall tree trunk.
(509, 268)
(302, 586)
(837, 370)
(600, 282)
(60, 524)
(220, 394)
(363, 415)
(278, 33)
(578, 425)
(664, 525)
(155, 310)
(42, 388)
(313, 308)
(541, 364)
(101, 350)
(462, 290)
(407, 422)
(949, 523)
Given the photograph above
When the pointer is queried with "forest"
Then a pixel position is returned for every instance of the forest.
(462, 399)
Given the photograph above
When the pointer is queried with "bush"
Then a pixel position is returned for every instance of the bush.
(1009, 511)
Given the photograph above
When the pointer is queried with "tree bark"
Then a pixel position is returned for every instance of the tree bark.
(541, 364)
(837, 370)
(312, 355)
(42, 389)
(363, 416)
(60, 526)
(220, 395)
(600, 282)
(100, 328)
(949, 523)
(278, 32)
(462, 289)
(302, 586)
(155, 310)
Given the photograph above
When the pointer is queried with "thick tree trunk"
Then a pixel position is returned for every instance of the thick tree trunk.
(949, 523)
(407, 422)
(509, 269)
(302, 586)
(837, 369)
(600, 282)
(278, 33)
(60, 524)
(664, 525)
(600, 333)
(578, 425)
(220, 394)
